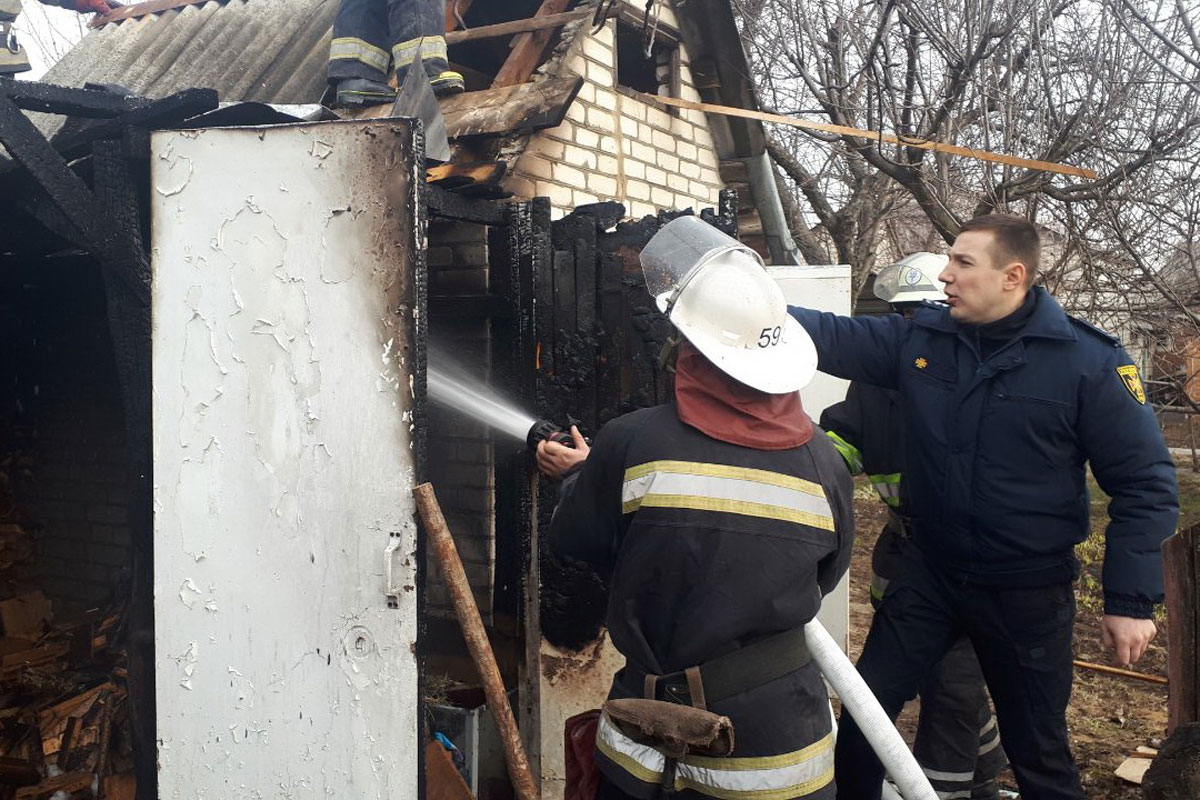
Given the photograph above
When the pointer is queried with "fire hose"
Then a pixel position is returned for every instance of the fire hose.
(875, 724)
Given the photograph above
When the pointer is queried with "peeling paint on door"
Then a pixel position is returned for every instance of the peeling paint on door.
(283, 461)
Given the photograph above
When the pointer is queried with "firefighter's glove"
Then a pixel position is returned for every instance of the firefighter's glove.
(96, 6)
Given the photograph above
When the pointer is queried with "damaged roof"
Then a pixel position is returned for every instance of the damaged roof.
(270, 51)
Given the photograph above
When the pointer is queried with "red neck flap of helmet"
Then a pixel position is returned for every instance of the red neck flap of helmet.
(719, 406)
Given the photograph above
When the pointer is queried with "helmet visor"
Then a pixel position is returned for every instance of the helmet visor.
(676, 253)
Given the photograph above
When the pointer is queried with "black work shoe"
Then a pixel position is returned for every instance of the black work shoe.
(361, 92)
(985, 791)
(447, 83)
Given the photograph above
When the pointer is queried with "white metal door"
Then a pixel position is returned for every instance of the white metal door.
(285, 299)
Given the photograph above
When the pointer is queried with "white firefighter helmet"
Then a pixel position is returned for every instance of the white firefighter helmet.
(717, 292)
(912, 279)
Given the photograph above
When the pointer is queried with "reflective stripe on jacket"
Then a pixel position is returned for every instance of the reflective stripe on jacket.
(796, 774)
(712, 546)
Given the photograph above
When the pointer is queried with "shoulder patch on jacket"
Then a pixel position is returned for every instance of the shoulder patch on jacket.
(1133, 382)
(1092, 329)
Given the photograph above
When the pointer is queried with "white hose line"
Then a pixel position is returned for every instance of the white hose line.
(879, 731)
(889, 791)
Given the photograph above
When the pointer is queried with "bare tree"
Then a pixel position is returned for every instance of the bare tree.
(1108, 85)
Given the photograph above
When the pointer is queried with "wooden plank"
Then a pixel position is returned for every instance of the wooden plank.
(18, 772)
(1179, 570)
(70, 739)
(69, 783)
(517, 109)
(25, 615)
(119, 787)
(17, 659)
(1133, 770)
(878, 136)
(459, 6)
(491, 112)
(78, 705)
(585, 316)
(529, 49)
(517, 26)
(442, 781)
(141, 10)
(450, 175)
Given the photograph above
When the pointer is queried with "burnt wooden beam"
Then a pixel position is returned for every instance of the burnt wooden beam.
(92, 103)
(66, 190)
(446, 204)
(156, 114)
(498, 112)
(454, 10)
(127, 294)
(517, 26)
(515, 109)
(470, 306)
(450, 176)
(529, 50)
(1181, 570)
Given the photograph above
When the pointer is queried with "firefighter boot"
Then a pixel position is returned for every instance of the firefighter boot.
(361, 92)
(12, 56)
(446, 83)
(988, 790)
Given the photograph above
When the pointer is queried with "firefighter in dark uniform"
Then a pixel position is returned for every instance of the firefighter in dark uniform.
(370, 37)
(13, 58)
(722, 519)
(958, 743)
(1005, 399)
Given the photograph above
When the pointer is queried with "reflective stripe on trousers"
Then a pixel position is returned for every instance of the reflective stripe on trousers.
(430, 47)
(351, 48)
(722, 488)
(781, 777)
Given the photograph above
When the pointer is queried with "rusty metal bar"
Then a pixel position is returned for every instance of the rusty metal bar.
(442, 545)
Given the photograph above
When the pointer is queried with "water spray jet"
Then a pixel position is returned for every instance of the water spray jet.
(471, 397)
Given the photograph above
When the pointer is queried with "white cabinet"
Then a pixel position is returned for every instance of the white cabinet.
(826, 289)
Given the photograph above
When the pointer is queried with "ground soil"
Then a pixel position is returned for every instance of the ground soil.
(1109, 716)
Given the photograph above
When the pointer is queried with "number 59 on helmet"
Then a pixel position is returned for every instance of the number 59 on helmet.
(719, 295)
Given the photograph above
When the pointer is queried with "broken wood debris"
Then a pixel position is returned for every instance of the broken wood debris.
(64, 719)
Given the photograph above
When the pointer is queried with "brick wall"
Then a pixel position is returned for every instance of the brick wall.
(615, 147)
(460, 457)
(77, 487)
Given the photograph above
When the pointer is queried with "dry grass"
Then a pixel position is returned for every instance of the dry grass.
(1109, 716)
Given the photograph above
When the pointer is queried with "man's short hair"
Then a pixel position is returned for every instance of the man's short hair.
(1016, 239)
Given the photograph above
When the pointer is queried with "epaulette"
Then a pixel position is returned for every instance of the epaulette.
(1111, 338)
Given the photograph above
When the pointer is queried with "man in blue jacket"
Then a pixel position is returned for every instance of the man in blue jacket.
(1006, 398)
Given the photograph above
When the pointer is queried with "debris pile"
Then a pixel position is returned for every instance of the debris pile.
(64, 713)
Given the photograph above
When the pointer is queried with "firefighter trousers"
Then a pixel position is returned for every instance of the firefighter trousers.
(958, 742)
(368, 35)
(1022, 637)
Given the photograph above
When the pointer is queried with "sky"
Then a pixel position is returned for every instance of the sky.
(47, 33)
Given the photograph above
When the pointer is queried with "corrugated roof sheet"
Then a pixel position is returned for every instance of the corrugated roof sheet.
(271, 51)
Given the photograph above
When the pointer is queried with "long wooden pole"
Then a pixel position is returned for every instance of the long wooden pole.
(1124, 673)
(517, 26)
(442, 545)
(878, 136)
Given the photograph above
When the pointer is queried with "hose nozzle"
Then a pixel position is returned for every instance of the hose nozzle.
(546, 431)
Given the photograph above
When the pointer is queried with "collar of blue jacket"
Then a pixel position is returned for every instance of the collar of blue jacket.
(1049, 321)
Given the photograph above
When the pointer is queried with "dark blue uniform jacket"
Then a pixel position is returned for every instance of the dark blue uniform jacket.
(995, 479)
